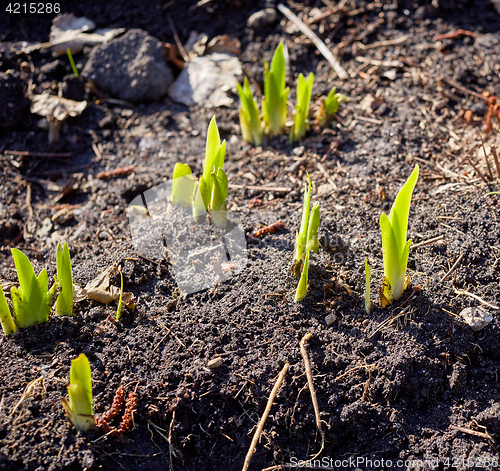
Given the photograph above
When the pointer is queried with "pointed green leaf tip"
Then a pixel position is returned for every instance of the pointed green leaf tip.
(30, 299)
(368, 303)
(304, 92)
(312, 230)
(333, 101)
(79, 408)
(249, 115)
(395, 247)
(8, 325)
(275, 94)
(301, 236)
(64, 302)
(183, 185)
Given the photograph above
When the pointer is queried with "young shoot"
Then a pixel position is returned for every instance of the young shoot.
(307, 236)
(72, 62)
(79, 407)
(302, 287)
(368, 303)
(64, 302)
(119, 309)
(275, 93)
(330, 106)
(32, 302)
(249, 115)
(301, 122)
(306, 240)
(212, 189)
(395, 247)
(8, 325)
(183, 185)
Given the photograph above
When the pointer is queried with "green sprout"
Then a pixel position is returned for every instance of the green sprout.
(368, 303)
(304, 92)
(32, 301)
(8, 324)
(183, 185)
(212, 189)
(395, 247)
(249, 115)
(64, 302)
(302, 287)
(306, 239)
(275, 93)
(330, 106)
(72, 62)
(79, 407)
(491, 193)
(119, 309)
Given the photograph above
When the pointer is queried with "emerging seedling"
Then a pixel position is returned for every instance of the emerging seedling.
(249, 115)
(301, 292)
(64, 302)
(306, 240)
(72, 62)
(212, 189)
(330, 106)
(8, 325)
(368, 303)
(301, 122)
(395, 247)
(119, 309)
(275, 93)
(79, 408)
(183, 185)
(32, 302)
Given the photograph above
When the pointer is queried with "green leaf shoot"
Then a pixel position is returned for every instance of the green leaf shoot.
(301, 122)
(183, 185)
(274, 104)
(119, 309)
(301, 236)
(249, 115)
(64, 302)
(30, 301)
(302, 287)
(8, 325)
(72, 62)
(312, 230)
(395, 247)
(368, 303)
(333, 100)
(79, 407)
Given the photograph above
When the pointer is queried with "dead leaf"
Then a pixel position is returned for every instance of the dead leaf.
(101, 290)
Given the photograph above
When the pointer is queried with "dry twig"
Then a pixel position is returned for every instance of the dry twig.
(307, 366)
(322, 48)
(262, 420)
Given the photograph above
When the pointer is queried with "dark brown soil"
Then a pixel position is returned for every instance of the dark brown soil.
(424, 386)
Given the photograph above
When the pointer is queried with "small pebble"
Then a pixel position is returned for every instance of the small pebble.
(330, 319)
(215, 363)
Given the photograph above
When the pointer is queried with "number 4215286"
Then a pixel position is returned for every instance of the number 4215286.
(33, 8)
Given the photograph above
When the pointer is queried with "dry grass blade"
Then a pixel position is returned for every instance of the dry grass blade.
(475, 296)
(309, 375)
(322, 48)
(26, 393)
(455, 265)
(262, 420)
(389, 321)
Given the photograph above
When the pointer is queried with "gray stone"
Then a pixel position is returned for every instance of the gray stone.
(131, 68)
(477, 317)
(262, 18)
(206, 81)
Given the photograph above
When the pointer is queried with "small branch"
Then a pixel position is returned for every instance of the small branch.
(309, 375)
(47, 155)
(322, 48)
(280, 189)
(262, 420)
(427, 242)
(486, 436)
(370, 366)
(475, 296)
(326, 175)
(455, 265)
